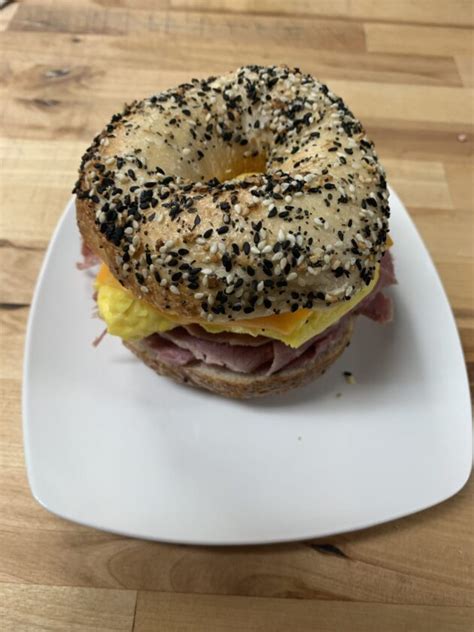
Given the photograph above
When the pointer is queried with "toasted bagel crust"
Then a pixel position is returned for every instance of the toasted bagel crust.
(159, 200)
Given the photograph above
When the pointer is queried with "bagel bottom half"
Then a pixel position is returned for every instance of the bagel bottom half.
(244, 386)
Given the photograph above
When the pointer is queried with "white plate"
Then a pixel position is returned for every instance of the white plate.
(111, 445)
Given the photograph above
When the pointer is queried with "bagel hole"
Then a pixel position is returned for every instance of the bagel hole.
(243, 166)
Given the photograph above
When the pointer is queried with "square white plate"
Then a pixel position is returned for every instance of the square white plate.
(111, 445)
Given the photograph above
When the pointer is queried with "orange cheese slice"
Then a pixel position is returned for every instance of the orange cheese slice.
(282, 323)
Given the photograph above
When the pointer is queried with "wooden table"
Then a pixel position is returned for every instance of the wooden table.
(405, 68)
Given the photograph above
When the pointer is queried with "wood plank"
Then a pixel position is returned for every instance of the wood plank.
(420, 183)
(465, 65)
(27, 608)
(45, 187)
(185, 613)
(84, 70)
(273, 30)
(11, 440)
(421, 140)
(461, 187)
(407, 103)
(12, 328)
(19, 267)
(423, 40)
(457, 12)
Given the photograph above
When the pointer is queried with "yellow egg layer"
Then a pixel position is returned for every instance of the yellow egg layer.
(132, 318)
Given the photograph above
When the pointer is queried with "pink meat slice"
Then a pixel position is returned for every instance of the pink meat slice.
(376, 305)
(168, 352)
(89, 259)
(283, 355)
(379, 308)
(239, 358)
(244, 359)
(387, 271)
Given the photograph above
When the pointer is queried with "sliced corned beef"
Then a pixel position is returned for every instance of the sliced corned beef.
(89, 259)
(379, 308)
(168, 352)
(239, 358)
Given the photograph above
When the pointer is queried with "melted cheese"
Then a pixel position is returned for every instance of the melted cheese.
(132, 318)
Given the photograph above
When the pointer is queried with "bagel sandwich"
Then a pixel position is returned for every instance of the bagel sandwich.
(241, 225)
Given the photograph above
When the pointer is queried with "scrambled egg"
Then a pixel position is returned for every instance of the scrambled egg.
(132, 318)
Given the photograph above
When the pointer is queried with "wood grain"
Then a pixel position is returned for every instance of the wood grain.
(459, 12)
(26, 608)
(406, 70)
(185, 613)
(385, 38)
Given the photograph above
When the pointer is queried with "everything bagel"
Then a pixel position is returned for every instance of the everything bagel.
(234, 199)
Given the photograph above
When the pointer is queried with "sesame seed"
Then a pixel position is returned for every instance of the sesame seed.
(186, 151)
(292, 276)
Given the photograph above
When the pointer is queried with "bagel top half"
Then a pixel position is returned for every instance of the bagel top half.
(246, 195)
